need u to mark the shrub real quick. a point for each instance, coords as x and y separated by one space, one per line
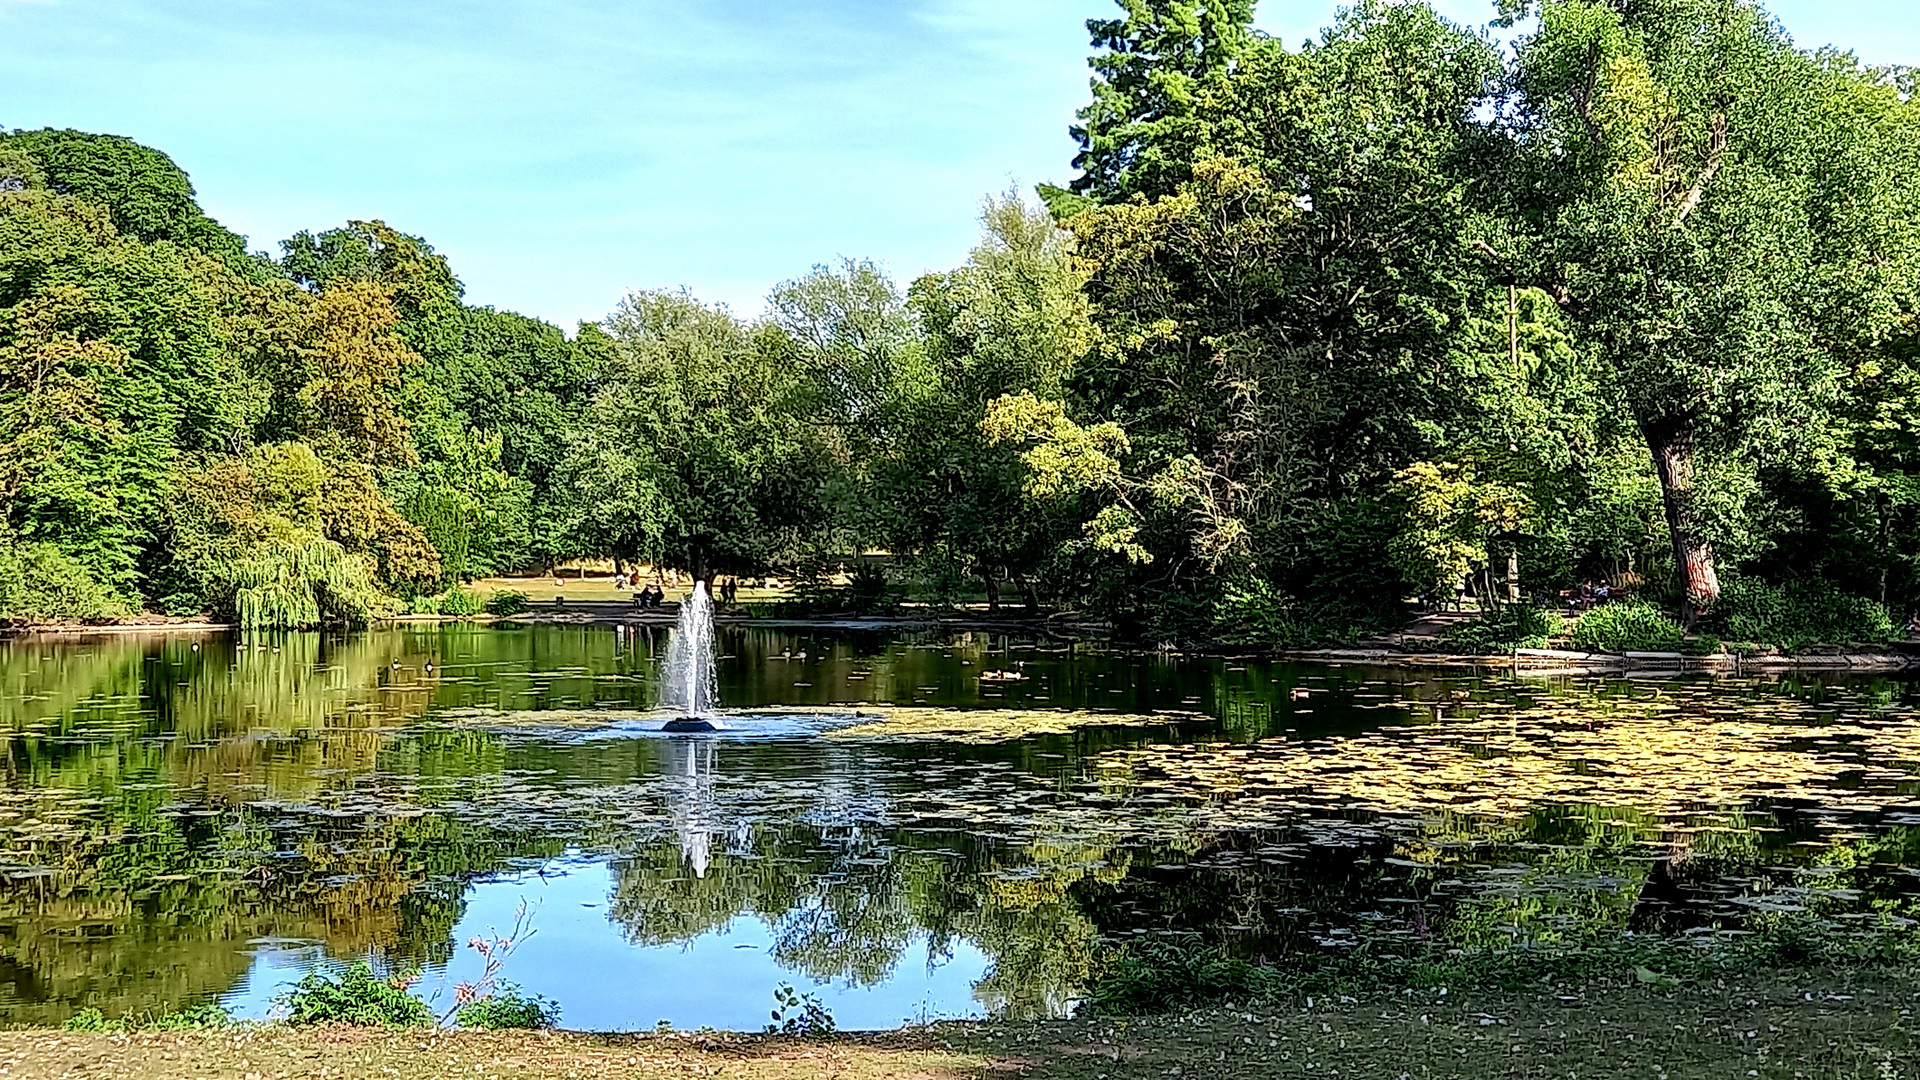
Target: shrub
93 1020
1253 612
460 603
1156 977
510 1009
508 602
1627 626
424 605
355 996
867 590
192 1018
1504 630
40 583
1796 615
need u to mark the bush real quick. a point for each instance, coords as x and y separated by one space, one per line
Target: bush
1157 977
1627 626
1253 612
1504 630
1795 615
508 602
41 584
92 1020
356 996
460 603
509 1009
867 591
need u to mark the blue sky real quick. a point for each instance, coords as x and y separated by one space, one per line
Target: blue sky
561 152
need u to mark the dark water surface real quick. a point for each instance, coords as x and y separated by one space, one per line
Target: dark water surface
197 818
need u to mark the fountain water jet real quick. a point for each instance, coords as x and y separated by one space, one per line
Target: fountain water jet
687 683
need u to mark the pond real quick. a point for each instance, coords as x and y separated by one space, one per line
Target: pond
200 818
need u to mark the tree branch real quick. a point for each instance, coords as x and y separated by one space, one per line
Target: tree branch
1716 153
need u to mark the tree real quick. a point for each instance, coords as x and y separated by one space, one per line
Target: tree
1141 133
335 364
696 455
148 196
1014 320
1690 192
115 356
1286 319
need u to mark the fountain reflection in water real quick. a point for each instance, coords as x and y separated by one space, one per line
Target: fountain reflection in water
687 683
692 767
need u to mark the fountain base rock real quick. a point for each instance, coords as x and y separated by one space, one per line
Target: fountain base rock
689 725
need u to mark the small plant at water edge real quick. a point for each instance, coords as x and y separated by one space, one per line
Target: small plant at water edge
508 602
1254 613
508 1008
355 996
191 1018
460 603
493 954
91 1019
1156 977
1627 626
799 1015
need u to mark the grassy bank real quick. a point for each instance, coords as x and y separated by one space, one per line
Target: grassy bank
1788 1024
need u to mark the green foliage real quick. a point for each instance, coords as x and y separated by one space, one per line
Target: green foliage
799 1015
1256 613
1142 131
461 603
1795 614
41 584
867 589
194 1018
1504 629
1148 978
1627 626
509 1009
1642 284
353 996
298 581
508 602
93 1020
698 453
149 197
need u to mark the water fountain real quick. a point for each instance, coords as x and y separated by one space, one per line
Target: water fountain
687 682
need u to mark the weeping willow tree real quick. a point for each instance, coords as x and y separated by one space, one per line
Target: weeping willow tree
300 580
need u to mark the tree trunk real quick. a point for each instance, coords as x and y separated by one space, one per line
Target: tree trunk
993 590
1672 447
1513 575
1028 595
1886 543
699 570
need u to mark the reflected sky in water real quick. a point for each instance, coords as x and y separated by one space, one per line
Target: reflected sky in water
722 978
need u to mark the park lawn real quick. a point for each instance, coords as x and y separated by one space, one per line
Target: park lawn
1803 1024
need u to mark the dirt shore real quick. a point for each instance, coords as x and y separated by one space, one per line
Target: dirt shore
1839 1024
